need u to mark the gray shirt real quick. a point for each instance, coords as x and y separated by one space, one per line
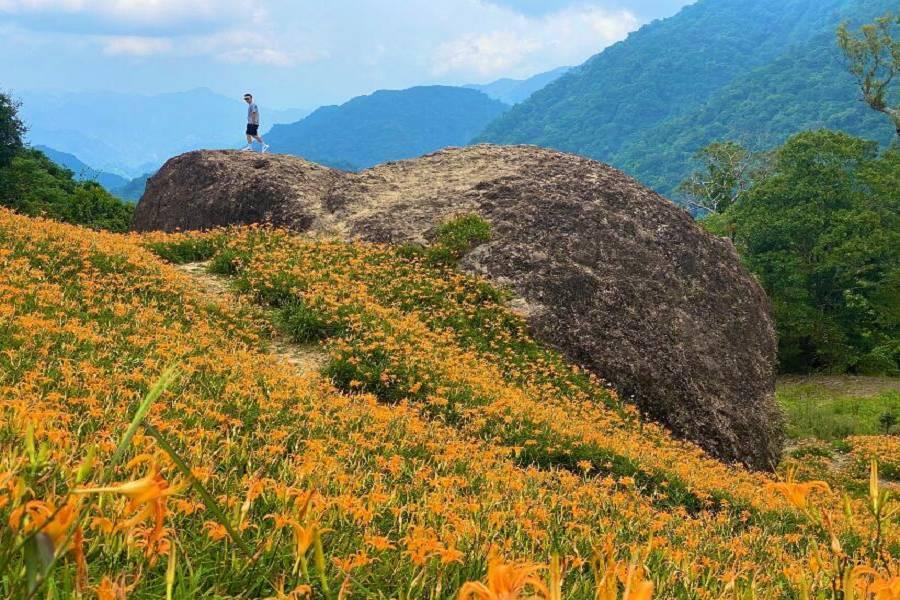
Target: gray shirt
253 114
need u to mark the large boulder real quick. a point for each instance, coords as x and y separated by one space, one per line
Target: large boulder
616 277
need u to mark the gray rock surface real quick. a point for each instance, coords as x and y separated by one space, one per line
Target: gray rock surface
618 278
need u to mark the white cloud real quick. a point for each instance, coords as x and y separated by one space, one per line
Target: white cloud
228 31
485 54
129 17
564 37
241 47
135 46
334 49
249 46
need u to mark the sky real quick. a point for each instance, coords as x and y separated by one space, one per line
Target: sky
302 53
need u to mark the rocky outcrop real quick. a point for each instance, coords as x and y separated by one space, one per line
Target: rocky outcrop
619 279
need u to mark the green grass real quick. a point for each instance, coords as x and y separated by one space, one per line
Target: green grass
832 408
452 240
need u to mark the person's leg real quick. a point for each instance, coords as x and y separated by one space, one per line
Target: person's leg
262 143
249 142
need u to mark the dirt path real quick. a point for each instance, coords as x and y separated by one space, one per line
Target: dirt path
304 358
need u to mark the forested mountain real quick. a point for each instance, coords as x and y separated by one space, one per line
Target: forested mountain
131 134
81 171
387 125
514 91
134 189
720 69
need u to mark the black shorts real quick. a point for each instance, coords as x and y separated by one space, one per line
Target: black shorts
252 129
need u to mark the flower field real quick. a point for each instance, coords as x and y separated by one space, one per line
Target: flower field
151 445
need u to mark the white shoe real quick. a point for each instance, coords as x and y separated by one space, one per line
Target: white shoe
247 149
264 148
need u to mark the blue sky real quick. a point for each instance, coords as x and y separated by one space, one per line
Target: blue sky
301 53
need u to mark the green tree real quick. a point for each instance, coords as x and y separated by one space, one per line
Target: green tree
11 129
34 185
874 59
727 171
822 233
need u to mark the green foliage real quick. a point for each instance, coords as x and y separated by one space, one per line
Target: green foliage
34 185
452 240
888 420
874 59
458 236
83 172
834 408
187 250
11 129
727 171
304 323
822 233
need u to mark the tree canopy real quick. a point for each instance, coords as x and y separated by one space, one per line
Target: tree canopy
11 129
727 171
874 59
822 233
32 184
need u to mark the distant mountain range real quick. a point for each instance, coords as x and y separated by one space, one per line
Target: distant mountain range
121 187
755 72
387 125
751 71
83 172
131 134
514 91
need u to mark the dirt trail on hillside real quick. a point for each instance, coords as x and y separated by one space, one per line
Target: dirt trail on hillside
303 358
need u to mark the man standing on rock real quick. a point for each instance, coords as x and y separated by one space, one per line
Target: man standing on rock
253 124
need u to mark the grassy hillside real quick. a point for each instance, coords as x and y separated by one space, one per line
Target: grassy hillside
832 408
439 445
387 125
720 69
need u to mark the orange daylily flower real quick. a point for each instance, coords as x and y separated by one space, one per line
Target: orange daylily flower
301 591
304 536
798 494
148 500
614 572
44 516
114 590
875 586
506 582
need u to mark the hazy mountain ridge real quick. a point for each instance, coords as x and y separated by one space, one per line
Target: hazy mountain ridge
82 171
121 187
514 91
100 128
387 125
